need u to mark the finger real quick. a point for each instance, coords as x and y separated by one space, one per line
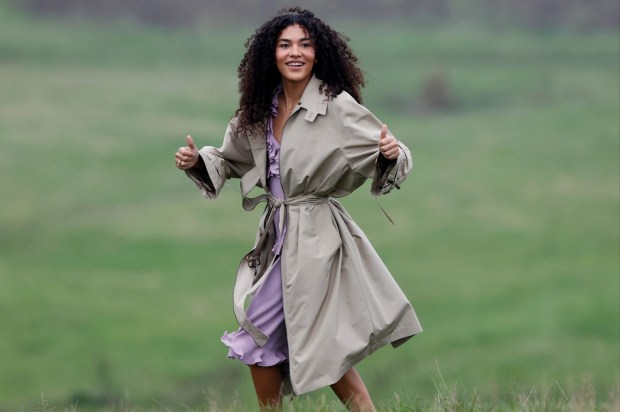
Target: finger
388 142
390 154
383 131
390 149
190 143
395 153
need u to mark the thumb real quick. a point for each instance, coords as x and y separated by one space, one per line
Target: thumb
190 143
384 130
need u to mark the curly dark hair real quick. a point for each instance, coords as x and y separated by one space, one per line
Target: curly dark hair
336 65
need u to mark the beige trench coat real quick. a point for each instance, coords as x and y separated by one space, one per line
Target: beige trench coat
340 301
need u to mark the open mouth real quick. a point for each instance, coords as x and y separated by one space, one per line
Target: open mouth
295 64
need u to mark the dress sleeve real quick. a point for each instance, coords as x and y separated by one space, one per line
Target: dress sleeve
232 160
360 132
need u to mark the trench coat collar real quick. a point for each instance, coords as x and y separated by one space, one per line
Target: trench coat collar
313 100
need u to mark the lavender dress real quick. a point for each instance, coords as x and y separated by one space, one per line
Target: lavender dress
265 310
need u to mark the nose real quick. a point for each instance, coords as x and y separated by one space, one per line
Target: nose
295 50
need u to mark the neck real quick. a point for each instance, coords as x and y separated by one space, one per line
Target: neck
293 91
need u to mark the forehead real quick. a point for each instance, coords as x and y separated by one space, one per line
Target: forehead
293 32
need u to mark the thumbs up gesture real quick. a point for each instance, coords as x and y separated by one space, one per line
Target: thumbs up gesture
187 156
388 145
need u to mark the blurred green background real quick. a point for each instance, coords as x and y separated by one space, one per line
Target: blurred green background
116 276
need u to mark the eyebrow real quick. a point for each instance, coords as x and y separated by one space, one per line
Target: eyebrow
302 39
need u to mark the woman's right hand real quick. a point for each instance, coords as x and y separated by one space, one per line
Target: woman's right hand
187 156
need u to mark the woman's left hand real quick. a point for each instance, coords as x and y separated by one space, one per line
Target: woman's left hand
388 145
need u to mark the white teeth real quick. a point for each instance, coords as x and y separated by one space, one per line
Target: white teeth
295 64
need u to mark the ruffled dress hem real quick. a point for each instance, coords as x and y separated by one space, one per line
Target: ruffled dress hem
252 356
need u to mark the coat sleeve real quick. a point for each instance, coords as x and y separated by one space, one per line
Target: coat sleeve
360 132
232 160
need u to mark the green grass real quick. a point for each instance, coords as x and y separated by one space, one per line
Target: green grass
116 277
447 399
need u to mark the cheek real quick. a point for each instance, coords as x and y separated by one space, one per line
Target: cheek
309 56
312 56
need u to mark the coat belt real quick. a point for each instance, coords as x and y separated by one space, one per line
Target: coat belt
251 264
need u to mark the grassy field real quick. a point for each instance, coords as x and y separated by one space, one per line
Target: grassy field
116 276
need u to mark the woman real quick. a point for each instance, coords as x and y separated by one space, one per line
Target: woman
322 299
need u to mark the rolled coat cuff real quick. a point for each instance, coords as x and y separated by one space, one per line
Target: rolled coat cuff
390 174
210 179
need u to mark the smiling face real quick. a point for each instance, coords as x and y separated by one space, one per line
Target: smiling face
295 54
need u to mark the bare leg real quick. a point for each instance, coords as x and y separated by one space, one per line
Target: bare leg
267 382
351 390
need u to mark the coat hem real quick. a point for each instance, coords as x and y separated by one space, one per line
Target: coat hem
398 337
